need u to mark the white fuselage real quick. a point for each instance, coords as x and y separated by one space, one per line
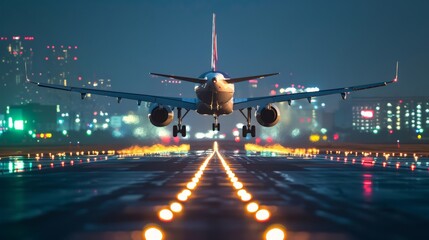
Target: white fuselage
215 97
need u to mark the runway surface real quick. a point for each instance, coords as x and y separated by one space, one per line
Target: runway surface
322 196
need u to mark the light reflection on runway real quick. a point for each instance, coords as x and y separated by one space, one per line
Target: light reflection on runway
213 194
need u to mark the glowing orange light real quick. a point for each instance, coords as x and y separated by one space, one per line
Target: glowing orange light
191 185
241 192
238 185
187 192
252 207
182 197
153 233
384 164
176 207
262 215
234 179
246 197
165 215
195 180
275 234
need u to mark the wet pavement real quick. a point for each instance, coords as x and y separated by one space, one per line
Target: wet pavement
326 196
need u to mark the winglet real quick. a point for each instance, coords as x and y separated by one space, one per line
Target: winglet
214 44
397 69
26 73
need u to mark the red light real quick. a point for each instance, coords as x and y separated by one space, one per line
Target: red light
368 114
48 47
95 113
397 165
336 136
272 92
176 140
79 78
309 120
75 58
75 47
53 47
46 58
390 131
58 58
269 139
276 85
165 140
384 164
258 140
237 139
413 167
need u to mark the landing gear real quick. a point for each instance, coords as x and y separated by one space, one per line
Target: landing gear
179 128
216 124
248 128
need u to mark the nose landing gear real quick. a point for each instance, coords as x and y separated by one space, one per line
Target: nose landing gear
216 124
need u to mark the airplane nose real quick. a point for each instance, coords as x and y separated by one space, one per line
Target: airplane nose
214 80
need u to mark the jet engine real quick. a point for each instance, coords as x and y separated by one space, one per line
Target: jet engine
160 116
268 116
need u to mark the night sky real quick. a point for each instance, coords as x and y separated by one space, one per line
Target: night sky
329 44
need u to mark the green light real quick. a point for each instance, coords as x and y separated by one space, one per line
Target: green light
88 132
64 132
18 124
30 132
33 135
375 131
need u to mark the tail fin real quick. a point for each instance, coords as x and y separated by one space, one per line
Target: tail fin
214 44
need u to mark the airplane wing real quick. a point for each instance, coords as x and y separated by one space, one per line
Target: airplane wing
262 101
185 103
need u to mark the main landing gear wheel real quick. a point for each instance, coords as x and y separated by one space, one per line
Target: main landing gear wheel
179 128
249 128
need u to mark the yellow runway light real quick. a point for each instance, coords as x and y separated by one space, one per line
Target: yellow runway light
262 215
252 207
153 233
238 185
275 234
165 215
191 185
176 207
246 197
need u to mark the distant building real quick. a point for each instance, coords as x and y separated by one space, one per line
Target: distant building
61 64
399 116
15 52
31 117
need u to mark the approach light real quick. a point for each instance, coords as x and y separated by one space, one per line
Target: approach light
165 215
275 234
153 233
252 207
262 215
176 207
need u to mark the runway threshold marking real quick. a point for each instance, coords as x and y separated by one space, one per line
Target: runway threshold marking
260 213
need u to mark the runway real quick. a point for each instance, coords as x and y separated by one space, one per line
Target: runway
306 196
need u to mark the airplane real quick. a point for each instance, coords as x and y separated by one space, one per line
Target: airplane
215 97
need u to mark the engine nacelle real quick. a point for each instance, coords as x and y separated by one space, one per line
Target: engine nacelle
160 116
268 116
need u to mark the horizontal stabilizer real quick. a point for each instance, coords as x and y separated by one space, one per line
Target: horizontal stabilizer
242 79
187 79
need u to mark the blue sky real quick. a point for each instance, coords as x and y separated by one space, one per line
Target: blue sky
327 44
